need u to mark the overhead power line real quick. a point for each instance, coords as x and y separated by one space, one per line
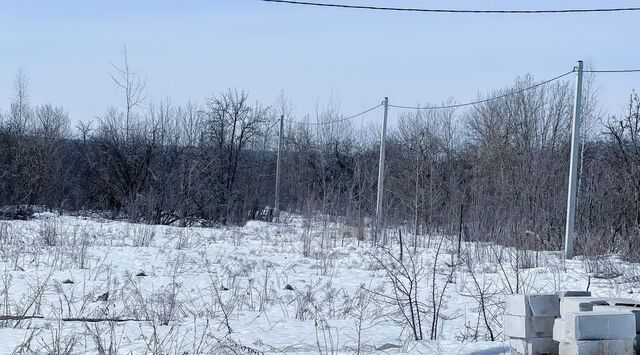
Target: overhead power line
613 71
343 119
455 11
515 92
511 93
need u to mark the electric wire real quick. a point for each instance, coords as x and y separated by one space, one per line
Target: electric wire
454 11
613 71
484 100
343 119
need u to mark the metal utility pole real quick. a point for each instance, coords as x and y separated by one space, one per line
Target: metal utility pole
379 208
277 203
573 166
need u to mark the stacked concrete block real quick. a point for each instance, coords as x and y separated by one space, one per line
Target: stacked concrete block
571 304
630 307
538 346
528 322
528 327
579 304
599 347
633 310
599 325
596 332
572 323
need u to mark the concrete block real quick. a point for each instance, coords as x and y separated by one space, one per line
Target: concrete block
533 346
597 347
563 294
629 302
599 325
558 330
579 304
633 310
533 305
582 304
528 327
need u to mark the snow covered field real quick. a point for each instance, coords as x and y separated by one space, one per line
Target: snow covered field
79 285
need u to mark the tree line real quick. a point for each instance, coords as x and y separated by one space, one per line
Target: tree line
500 166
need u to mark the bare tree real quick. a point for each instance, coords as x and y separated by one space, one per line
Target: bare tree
132 84
232 123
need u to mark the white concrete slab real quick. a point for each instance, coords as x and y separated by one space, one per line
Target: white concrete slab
597 347
633 310
533 305
528 327
630 302
533 346
558 330
579 304
599 325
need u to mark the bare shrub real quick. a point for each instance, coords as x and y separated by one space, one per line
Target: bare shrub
185 239
307 238
141 235
484 292
326 337
7 239
57 342
6 282
362 311
161 306
48 234
405 277
601 267
78 247
25 346
305 302
30 304
105 337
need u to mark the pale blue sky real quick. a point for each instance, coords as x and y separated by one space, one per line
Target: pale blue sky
191 49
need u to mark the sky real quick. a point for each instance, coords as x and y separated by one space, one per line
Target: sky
190 50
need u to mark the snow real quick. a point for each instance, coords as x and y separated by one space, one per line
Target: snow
197 277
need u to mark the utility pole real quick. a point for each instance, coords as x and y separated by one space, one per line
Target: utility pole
573 166
278 163
379 206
